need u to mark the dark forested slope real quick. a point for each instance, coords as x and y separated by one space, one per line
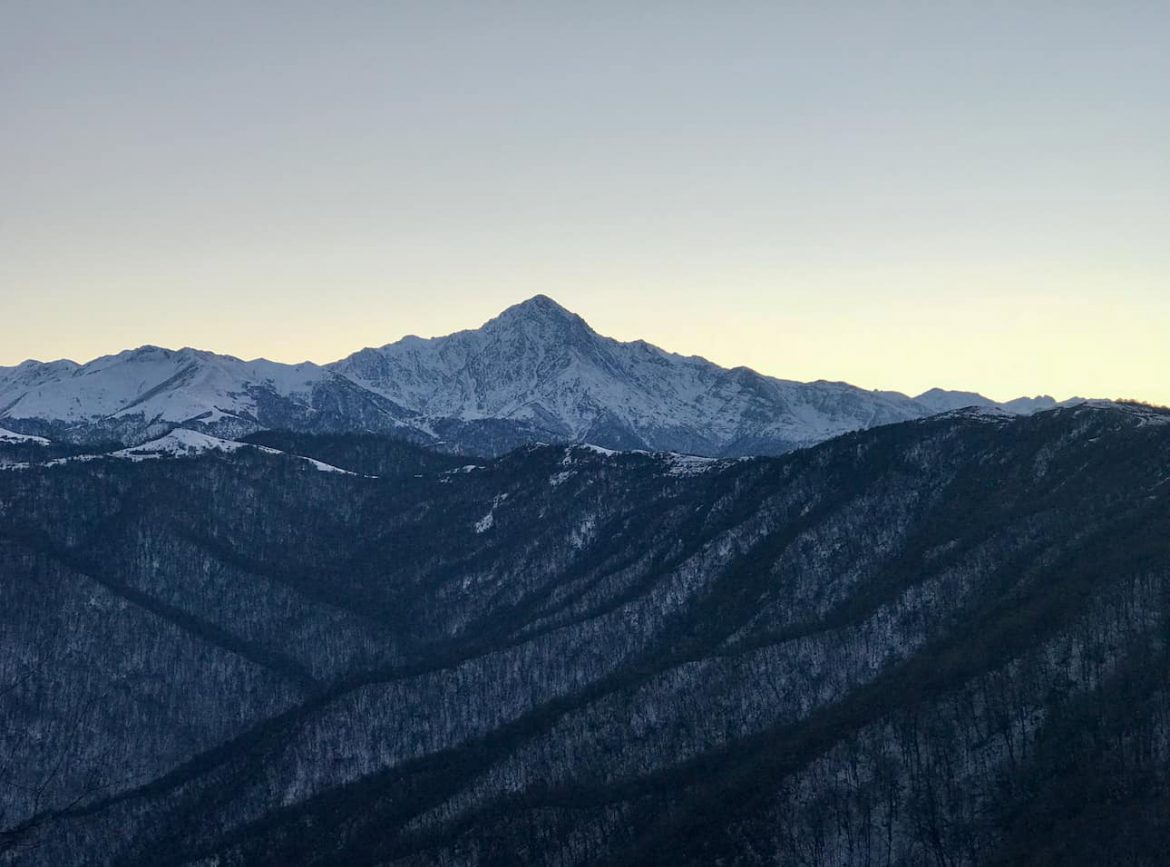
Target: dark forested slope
939 642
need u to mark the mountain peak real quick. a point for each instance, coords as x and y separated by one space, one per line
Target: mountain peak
541 304
541 308
536 371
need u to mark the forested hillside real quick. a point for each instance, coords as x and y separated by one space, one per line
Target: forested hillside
938 642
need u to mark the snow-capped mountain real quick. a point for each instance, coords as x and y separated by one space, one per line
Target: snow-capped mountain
535 372
142 393
170 385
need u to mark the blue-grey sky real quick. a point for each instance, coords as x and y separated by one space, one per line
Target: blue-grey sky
970 195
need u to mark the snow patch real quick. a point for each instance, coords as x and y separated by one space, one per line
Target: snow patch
992 414
327 468
572 451
7 436
688 465
182 442
597 449
489 520
179 443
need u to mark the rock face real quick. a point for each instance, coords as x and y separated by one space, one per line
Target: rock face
936 642
535 373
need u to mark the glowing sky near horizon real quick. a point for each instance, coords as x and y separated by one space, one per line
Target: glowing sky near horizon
900 195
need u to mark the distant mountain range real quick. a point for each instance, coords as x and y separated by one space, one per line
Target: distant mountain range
535 373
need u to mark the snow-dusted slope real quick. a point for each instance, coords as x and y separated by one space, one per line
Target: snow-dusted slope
163 384
140 394
535 372
543 368
7 436
181 443
177 444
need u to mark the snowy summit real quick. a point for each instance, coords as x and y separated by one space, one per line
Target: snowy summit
536 372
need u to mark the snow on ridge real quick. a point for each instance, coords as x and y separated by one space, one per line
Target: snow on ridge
324 467
536 365
182 442
7 436
178 443
1144 413
161 384
576 449
598 450
689 465
675 463
979 413
542 365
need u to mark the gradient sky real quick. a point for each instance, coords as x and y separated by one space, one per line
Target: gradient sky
901 195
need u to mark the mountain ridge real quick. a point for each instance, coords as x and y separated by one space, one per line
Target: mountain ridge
536 371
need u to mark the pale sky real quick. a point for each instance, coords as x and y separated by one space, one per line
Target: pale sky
900 195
